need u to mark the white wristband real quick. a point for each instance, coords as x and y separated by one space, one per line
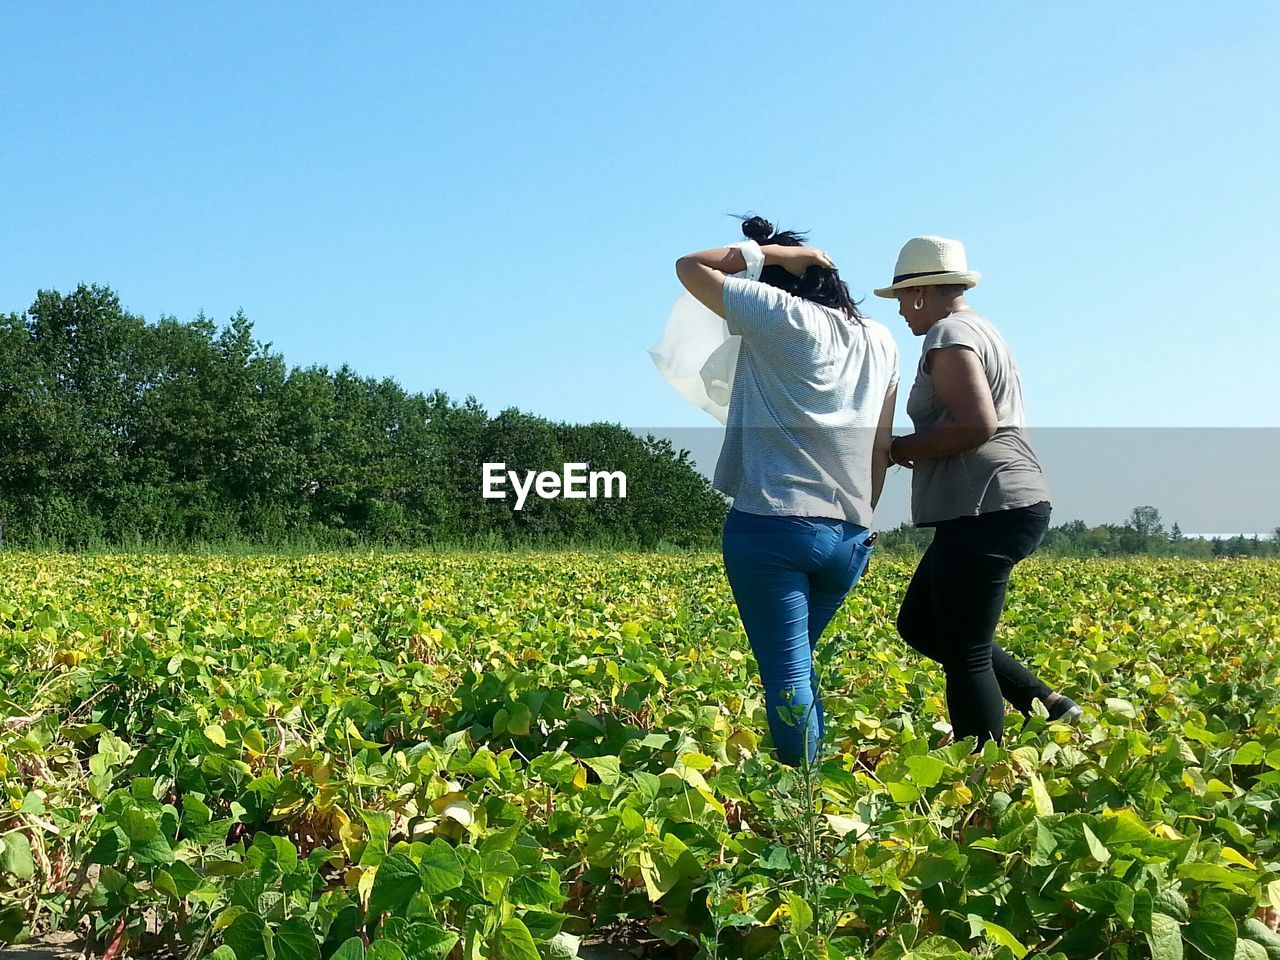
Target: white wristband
754 257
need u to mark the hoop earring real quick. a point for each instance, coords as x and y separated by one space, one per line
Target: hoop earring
919 304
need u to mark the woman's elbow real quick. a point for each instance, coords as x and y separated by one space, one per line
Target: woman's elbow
687 271
971 434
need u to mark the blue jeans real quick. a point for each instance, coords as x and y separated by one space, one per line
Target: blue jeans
789 576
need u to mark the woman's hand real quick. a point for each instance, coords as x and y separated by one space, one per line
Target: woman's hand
897 459
795 260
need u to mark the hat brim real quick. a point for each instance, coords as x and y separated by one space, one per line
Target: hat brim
969 278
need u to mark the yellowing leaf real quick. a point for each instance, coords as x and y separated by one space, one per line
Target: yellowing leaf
843 826
1231 855
365 883
744 744
255 743
1040 796
216 734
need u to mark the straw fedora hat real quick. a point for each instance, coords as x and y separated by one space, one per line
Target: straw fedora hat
925 261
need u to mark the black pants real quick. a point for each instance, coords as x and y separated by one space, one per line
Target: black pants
951 609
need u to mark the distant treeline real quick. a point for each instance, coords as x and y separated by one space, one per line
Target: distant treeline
115 431
1143 534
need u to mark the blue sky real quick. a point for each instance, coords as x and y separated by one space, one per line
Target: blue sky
488 199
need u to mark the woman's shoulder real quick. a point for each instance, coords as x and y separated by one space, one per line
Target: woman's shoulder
879 333
962 327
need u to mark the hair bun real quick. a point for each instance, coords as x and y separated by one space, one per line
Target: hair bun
757 228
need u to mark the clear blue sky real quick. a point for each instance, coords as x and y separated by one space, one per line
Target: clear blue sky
488 199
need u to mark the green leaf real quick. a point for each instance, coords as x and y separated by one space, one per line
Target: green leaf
195 812
141 828
16 858
440 870
930 870
1250 754
424 939
775 857
607 769
543 924
155 852
394 885
926 770
996 933
903 792
222 953
248 937
1212 931
294 940
937 948
1046 842
801 913
516 941
1097 850
178 880
1106 898
519 720
534 891
1121 707
1214 873
482 764
1165 938
1173 903
353 949
1257 932
378 823
565 946
384 950
13 923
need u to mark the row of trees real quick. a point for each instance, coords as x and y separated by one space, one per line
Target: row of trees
117 431
1142 534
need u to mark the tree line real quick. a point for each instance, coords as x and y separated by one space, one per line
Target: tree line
117 431
1142 534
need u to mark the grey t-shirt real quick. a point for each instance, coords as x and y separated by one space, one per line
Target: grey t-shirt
1003 473
807 394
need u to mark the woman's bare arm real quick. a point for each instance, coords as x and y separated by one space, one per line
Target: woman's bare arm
880 451
703 273
962 388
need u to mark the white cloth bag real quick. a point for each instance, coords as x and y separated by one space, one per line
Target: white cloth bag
696 353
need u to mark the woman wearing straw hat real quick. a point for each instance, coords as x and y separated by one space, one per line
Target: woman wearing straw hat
976 481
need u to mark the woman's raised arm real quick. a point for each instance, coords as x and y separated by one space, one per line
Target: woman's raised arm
703 273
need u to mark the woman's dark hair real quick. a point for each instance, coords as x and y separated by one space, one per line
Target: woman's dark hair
822 285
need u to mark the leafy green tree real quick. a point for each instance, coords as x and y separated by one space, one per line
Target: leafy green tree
115 430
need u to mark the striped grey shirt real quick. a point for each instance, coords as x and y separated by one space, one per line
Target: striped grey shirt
807 395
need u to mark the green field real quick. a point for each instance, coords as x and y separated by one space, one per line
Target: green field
492 756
